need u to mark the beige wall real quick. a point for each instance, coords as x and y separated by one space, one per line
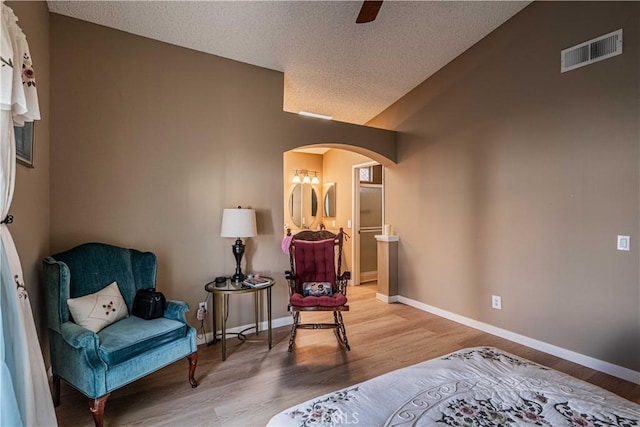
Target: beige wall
151 141
30 206
514 180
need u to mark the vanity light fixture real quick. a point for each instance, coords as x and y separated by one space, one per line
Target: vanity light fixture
315 115
304 176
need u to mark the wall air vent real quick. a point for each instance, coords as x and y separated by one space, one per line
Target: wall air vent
595 50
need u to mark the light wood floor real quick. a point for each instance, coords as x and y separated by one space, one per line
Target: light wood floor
253 383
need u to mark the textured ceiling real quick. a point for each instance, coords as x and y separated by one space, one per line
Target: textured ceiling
331 65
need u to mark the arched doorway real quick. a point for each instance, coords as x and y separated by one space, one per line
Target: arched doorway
331 199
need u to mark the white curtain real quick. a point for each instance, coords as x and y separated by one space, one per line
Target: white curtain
25 398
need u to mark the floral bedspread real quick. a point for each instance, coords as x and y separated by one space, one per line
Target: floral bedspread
479 386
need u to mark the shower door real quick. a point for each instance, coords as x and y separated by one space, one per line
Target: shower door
370 226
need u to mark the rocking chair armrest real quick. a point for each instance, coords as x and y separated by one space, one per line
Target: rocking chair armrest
342 282
291 280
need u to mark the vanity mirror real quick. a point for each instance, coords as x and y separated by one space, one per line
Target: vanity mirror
330 199
303 205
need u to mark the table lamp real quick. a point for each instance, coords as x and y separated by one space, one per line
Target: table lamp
238 223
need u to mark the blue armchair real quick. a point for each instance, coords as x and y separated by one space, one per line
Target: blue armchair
98 363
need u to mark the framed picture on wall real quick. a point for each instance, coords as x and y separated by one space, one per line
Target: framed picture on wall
24 144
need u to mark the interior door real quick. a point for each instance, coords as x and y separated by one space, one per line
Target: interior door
370 226
368 220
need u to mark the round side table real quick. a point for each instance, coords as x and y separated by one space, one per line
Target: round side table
231 287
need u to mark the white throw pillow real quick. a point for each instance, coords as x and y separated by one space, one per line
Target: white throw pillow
98 310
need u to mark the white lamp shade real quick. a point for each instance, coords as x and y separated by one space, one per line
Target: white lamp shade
238 223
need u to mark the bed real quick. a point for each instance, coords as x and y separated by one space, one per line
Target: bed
481 386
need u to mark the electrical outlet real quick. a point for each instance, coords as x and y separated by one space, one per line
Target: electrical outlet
202 310
496 302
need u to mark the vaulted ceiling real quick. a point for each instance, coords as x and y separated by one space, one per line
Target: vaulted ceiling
331 65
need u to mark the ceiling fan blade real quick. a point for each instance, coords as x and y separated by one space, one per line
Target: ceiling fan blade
368 12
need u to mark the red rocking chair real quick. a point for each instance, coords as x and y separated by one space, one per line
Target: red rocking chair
315 284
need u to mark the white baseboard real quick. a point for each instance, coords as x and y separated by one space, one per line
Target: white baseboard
588 361
275 323
386 298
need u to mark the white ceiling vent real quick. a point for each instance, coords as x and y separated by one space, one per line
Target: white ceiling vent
595 50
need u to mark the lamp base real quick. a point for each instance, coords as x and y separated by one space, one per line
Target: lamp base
238 251
238 277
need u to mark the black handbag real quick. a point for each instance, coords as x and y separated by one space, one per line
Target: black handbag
149 304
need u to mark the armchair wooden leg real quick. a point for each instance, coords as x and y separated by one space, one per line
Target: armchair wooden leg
56 390
193 361
96 406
